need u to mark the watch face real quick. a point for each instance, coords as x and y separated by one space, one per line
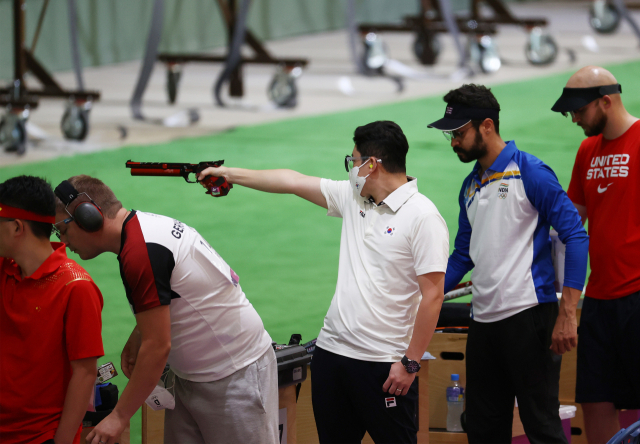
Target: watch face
412 366
409 365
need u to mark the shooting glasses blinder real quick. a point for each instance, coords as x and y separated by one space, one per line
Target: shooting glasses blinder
573 99
87 215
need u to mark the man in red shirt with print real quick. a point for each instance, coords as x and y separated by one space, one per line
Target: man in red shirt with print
605 187
50 323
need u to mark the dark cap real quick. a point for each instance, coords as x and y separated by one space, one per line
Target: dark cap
575 98
457 115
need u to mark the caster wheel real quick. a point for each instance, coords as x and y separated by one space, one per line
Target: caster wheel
13 134
484 52
541 49
75 121
174 72
282 90
426 48
375 53
603 17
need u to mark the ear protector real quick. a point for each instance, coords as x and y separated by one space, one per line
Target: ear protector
87 215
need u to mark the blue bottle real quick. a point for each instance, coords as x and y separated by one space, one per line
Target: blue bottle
455 404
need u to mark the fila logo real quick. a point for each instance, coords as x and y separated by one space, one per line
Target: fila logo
390 402
362 213
602 190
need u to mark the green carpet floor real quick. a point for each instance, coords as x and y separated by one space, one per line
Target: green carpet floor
285 249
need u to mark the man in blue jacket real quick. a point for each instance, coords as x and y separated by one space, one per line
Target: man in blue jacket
517 332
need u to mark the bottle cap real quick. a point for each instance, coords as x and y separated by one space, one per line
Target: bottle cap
455 377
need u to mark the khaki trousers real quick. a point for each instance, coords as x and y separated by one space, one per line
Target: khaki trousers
241 408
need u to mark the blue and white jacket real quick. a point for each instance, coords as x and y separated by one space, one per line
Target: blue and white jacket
503 236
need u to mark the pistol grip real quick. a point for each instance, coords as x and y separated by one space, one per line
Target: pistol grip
216 186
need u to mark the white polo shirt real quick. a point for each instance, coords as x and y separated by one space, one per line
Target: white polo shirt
215 331
383 249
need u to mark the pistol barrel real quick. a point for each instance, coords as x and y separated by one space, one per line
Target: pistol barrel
155 172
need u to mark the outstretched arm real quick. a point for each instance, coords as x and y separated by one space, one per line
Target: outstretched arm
272 181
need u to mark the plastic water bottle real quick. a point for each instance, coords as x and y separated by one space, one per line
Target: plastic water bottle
455 404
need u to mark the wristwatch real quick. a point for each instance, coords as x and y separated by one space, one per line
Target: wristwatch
410 365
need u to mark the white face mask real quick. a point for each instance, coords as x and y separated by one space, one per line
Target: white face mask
161 398
357 182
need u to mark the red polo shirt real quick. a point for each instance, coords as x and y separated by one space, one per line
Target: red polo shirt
46 320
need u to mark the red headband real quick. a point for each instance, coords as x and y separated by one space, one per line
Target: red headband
18 213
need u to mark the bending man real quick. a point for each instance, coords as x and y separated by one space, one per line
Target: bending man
190 311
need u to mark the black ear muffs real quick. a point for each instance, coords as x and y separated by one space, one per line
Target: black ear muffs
87 215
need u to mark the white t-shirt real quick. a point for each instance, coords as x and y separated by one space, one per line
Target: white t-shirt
383 250
215 331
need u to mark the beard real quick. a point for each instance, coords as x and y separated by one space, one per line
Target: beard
477 150
597 128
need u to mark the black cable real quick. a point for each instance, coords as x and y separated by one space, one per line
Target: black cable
73 35
624 12
235 56
151 53
452 26
352 30
356 57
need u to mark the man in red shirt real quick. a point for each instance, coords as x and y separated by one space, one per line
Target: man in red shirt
605 188
50 324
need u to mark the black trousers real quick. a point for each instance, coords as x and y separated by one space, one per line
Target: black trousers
348 401
609 352
508 359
